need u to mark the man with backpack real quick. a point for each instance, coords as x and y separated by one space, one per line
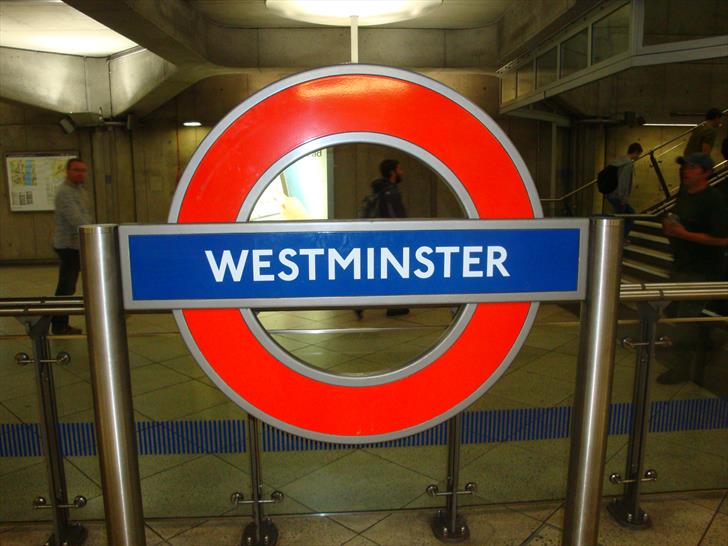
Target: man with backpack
615 182
385 201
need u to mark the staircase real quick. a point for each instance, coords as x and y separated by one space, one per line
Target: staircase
647 255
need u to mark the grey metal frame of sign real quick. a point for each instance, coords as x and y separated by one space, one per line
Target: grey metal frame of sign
347 138
351 226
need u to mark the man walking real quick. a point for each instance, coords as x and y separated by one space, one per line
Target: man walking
388 203
698 233
702 138
625 174
71 213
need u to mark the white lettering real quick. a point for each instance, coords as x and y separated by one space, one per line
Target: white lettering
429 266
354 257
387 257
469 260
497 261
236 270
311 253
370 263
283 257
447 252
259 264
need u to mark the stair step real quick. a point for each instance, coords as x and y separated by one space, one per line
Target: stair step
646 269
650 252
655 239
650 224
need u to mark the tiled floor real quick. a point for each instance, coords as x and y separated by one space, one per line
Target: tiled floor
686 519
169 385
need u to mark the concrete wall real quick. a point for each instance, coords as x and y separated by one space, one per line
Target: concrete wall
28 235
133 175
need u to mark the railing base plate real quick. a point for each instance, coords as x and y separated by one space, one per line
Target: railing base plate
268 534
75 535
618 510
443 533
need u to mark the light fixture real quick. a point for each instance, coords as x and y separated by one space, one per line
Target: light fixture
670 125
192 123
340 12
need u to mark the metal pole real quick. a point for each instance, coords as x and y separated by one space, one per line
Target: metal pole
627 510
593 384
448 525
111 382
261 531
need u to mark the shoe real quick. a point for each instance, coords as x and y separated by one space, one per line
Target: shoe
65 330
673 377
397 312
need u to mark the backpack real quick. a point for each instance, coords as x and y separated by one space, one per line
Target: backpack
608 179
369 206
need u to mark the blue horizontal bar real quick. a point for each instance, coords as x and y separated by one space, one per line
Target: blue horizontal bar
479 427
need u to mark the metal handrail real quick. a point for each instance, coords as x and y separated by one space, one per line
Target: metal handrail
628 292
646 154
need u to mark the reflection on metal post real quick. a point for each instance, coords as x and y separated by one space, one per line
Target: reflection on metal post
627 510
111 382
593 384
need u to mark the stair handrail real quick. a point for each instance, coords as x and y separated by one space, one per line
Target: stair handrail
650 154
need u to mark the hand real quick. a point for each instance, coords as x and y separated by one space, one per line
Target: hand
673 229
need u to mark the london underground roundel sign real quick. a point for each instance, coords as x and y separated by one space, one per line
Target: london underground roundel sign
247 150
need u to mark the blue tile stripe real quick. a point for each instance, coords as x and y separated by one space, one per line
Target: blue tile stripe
479 427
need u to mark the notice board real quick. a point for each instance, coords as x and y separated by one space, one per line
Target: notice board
33 179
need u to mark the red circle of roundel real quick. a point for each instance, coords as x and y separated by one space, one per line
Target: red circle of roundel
314 105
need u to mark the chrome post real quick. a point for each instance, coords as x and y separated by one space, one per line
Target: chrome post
595 366
261 531
111 382
63 533
448 525
626 510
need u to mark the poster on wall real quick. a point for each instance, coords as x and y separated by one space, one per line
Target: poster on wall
33 179
301 192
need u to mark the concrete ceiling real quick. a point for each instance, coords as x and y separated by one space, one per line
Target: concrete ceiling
452 14
52 26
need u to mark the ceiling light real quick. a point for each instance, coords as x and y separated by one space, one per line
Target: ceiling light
670 125
192 123
339 13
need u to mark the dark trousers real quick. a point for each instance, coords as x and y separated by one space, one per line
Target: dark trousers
623 208
67 278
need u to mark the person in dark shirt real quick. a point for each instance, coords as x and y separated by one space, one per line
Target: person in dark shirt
698 233
390 205
387 189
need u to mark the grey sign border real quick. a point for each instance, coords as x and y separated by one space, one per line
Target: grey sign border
127 231
267 342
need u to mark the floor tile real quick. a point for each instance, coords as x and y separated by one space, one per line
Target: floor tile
71 398
158 349
360 541
21 487
199 487
320 357
430 461
185 365
513 474
280 469
553 364
359 481
97 535
546 535
169 527
359 522
532 389
154 377
488 527
179 400
549 337
717 534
